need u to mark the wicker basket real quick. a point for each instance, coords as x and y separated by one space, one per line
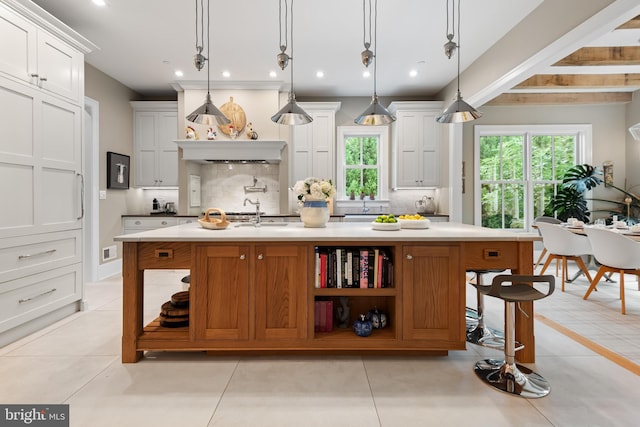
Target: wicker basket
214 223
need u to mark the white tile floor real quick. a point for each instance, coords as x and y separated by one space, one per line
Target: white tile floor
77 361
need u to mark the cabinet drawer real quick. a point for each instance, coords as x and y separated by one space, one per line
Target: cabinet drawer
143 223
33 254
487 255
25 299
164 255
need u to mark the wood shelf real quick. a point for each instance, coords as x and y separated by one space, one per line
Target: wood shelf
355 292
347 334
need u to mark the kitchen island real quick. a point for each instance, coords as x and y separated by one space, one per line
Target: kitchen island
254 289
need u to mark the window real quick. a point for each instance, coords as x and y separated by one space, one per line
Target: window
518 170
362 158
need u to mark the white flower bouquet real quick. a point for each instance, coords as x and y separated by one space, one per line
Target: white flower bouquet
314 188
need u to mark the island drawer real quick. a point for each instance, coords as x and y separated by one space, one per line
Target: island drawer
166 255
490 255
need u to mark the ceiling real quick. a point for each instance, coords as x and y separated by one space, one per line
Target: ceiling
142 43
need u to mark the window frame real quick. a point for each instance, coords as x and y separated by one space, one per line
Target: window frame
382 132
583 154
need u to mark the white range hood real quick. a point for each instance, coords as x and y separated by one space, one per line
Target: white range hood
235 151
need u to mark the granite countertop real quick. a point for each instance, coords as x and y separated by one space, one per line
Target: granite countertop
334 231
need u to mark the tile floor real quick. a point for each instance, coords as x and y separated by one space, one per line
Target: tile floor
77 361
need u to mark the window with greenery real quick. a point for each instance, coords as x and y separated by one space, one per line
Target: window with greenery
361 154
519 168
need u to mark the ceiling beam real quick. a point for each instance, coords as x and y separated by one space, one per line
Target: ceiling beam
583 81
618 55
561 98
631 24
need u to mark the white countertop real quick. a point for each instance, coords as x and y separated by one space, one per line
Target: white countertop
335 231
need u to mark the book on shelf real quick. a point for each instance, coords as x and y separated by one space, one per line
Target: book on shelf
323 316
343 267
338 267
317 267
364 268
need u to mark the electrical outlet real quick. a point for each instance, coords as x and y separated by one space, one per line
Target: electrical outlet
103 194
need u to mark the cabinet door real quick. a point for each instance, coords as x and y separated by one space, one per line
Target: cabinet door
18 49
145 148
220 293
432 287
281 283
167 150
409 168
59 67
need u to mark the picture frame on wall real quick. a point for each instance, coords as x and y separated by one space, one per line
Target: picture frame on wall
118 166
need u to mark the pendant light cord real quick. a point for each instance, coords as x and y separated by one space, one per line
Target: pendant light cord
364 24
453 2
291 56
375 48
208 45
286 19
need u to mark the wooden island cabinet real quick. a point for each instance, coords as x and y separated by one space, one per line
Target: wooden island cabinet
255 289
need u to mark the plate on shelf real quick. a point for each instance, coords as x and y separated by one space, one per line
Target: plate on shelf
414 223
385 226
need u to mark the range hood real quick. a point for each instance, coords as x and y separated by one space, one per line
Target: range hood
232 151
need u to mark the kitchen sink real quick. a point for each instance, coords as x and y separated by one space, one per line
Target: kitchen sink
262 224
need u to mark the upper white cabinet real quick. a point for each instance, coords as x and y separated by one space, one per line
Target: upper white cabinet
38 58
155 152
416 139
312 148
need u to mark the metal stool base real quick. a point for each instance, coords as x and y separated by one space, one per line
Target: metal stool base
513 379
486 337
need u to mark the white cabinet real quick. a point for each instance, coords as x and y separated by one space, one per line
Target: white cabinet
155 153
312 150
41 112
38 58
416 144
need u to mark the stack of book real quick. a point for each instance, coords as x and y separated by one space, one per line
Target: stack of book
353 267
323 316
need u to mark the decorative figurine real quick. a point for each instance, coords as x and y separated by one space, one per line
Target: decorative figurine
211 134
363 327
233 133
378 319
251 134
191 133
343 312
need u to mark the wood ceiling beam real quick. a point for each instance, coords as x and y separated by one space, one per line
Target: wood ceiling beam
631 24
561 98
617 55
595 81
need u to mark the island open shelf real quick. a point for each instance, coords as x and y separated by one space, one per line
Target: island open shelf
255 289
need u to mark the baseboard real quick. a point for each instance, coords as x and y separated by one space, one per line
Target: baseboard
109 269
21 331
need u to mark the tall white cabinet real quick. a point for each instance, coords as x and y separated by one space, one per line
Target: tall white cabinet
155 152
312 148
416 140
41 171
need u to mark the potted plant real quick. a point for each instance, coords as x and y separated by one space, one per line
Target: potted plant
570 201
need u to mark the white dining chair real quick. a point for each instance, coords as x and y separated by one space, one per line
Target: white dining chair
550 220
566 246
616 254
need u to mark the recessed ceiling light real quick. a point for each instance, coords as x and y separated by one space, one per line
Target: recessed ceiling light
179 73
366 74
320 74
273 74
413 73
99 2
226 74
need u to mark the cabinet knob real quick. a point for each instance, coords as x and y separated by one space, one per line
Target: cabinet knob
242 256
34 75
164 222
43 79
138 223
260 256
409 256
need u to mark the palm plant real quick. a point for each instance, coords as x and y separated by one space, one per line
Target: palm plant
570 201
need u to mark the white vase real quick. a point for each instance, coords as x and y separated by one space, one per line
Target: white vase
314 213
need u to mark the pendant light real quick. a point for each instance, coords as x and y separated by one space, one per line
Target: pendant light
291 114
459 111
207 111
375 114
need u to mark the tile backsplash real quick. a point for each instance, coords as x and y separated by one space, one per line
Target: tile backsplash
222 186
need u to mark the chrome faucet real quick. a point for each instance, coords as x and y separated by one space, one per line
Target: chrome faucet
365 209
257 205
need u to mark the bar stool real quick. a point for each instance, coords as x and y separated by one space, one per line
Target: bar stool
477 331
506 375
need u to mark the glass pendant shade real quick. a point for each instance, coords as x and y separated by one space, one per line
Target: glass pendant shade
291 114
207 112
375 114
458 112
